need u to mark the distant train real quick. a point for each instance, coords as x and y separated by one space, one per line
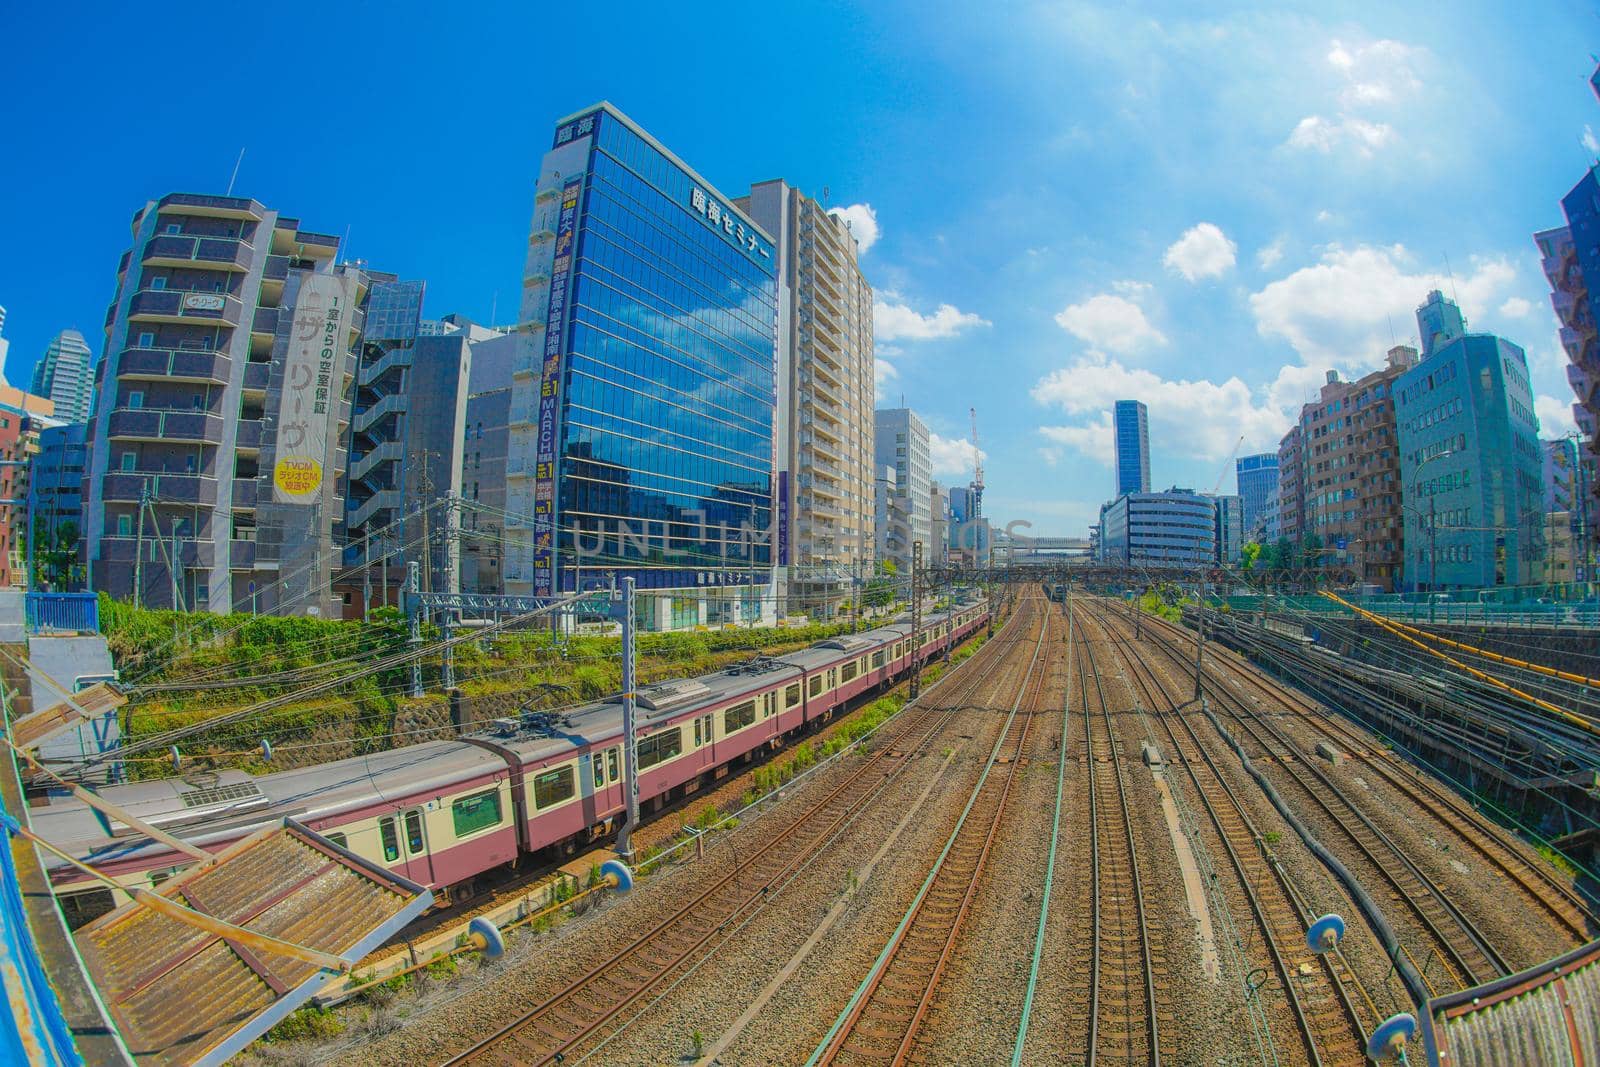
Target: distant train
445 813
1056 591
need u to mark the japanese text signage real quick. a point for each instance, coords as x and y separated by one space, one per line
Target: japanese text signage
316 344
723 219
544 473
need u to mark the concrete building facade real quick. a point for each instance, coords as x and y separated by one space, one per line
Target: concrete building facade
483 476
824 418
1229 534
1130 421
1471 465
901 445
1350 473
1291 488
66 376
641 438
222 406
1174 528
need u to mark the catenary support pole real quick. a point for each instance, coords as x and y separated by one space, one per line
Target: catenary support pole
630 758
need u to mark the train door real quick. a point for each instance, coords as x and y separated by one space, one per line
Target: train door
414 836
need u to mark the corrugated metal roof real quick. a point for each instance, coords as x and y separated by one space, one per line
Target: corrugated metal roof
1547 1015
182 995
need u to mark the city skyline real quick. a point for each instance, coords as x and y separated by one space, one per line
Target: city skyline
1304 198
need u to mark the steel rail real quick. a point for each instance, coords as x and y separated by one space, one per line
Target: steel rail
1152 1028
845 1038
1566 908
1273 742
1145 676
546 1033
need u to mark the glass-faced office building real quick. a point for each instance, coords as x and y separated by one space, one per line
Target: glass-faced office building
641 437
1131 425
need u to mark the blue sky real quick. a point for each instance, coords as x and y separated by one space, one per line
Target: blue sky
1072 203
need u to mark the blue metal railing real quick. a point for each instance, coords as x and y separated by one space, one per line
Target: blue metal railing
63 613
32 1027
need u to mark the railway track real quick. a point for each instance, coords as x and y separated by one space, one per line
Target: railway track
1328 1026
1564 908
558 1027
1121 1020
1465 954
881 1023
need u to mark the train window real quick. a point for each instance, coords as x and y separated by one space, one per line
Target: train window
80 909
553 786
877 660
896 652
391 840
791 696
611 763
660 747
339 839
599 770
816 684
769 704
477 812
848 671
414 831
698 739
739 716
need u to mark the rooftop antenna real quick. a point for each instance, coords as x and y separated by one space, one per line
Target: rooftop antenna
235 176
494 308
344 245
1393 340
1452 276
824 196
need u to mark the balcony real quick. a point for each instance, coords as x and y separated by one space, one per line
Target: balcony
320 240
144 424
821 448
242 555
190 553
176 305
245 491
176 250
226 207
248 435
265 321
276 270
255 376
166 487
175 364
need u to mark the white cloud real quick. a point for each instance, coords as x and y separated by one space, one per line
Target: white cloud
1516 307
863 223
1348 309
1331 135
901 322
1110 323
1267 256
1131 288
1204 251
1195 419
1049 456
1093 440
1590 141
1380 72
951 456
883 372
1555 416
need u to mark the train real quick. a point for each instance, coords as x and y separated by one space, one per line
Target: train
523 789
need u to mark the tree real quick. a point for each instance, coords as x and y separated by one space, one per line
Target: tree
55 555
1249 554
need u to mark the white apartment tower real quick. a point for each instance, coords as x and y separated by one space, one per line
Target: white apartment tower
902 444
824 515
65 376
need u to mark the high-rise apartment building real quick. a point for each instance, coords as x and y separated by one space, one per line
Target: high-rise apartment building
825 400
55 508
641 435
1258 485
483 472
967 537
66 376
219 433
1130 423
1471 464
1291 488
902 444
1350 473
1174 528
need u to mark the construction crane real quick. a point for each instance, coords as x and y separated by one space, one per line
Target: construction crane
977 466
1223 473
